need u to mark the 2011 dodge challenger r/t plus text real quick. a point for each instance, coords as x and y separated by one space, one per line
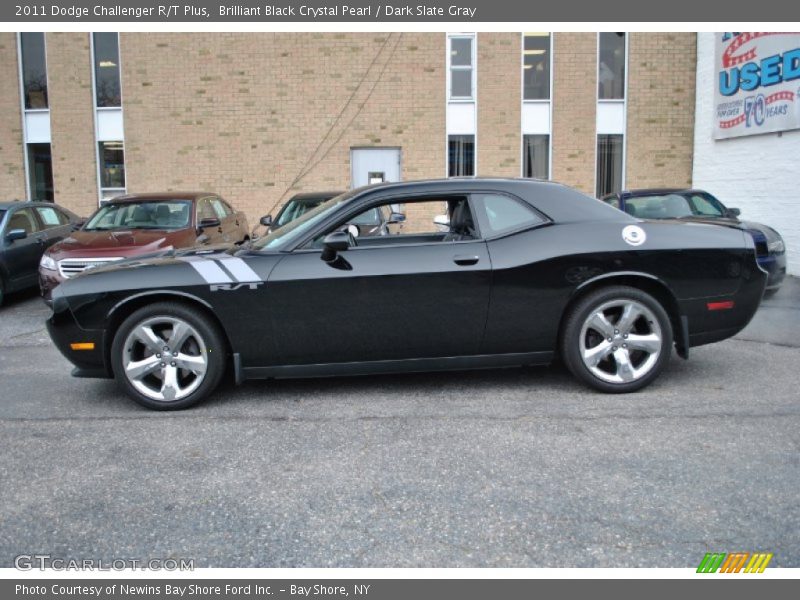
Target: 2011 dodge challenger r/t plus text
528 271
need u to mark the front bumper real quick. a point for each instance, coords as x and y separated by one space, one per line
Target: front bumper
775 266
65 331
48 281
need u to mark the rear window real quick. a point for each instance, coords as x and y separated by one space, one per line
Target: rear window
501 214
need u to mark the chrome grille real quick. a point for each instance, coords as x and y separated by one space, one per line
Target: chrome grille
69 267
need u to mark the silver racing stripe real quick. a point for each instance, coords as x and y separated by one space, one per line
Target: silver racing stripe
210 271
240 270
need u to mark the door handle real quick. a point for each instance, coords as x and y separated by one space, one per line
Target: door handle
465 260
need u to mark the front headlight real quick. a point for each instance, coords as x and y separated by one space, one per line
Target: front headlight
776 246
47 263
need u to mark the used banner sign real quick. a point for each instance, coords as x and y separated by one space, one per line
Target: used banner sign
757 83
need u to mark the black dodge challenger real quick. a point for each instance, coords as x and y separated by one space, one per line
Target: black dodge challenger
528 271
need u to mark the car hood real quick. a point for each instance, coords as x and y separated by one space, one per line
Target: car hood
125 243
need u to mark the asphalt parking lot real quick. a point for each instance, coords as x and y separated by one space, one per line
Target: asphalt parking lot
508 468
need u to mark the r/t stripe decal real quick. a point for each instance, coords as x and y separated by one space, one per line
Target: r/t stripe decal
239 269
210 271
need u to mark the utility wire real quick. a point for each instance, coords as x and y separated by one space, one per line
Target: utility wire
303 169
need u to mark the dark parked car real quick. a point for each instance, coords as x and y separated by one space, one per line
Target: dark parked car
375 222
141 224
295 207
527 271
701 207
27 230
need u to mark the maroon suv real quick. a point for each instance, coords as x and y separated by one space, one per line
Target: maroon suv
138 224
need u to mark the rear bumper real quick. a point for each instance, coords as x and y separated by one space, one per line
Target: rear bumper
710 320
65 331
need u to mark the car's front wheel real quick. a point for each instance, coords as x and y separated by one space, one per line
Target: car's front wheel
617 339
168 356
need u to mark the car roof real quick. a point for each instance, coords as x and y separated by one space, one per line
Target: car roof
15 203
309 197
657 191
557 201
160 196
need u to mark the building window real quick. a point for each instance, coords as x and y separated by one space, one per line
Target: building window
460 155
536 66
106 70
112 169
34 70
40 172
611 67
609 164
462 72
536 156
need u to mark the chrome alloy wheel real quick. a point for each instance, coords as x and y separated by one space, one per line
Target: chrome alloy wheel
620 341
165 358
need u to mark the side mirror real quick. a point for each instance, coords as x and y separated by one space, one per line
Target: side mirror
266 221
335 242
16 234
396 218
442 223
209 222
733 212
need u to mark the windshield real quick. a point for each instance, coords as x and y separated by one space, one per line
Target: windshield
674 206
300 225
156 214
293 210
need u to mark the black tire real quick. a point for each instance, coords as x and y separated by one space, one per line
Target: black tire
582 310
215 353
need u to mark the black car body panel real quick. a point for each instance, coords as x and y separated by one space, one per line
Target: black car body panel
772 261
493 301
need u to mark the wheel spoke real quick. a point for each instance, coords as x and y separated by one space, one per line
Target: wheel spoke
595 354
138 369
180 333
169 385
650 343
601 324
625 368
195 364
630 313
148 337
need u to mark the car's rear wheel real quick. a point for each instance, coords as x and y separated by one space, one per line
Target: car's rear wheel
617 339
168 356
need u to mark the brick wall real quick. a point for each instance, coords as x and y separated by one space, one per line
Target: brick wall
69 76
12 166
499 72
242 114
661 99
574 109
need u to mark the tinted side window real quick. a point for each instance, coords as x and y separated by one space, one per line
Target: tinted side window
23 219
500 214
205 210
219 209
51 217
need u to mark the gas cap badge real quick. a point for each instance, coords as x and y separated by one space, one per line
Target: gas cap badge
634 235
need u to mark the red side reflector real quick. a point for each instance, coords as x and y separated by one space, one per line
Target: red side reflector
726 305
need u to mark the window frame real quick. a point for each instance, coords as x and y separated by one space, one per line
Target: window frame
482 219
473 67
360 207
549 68
474 153
549 156
625 74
